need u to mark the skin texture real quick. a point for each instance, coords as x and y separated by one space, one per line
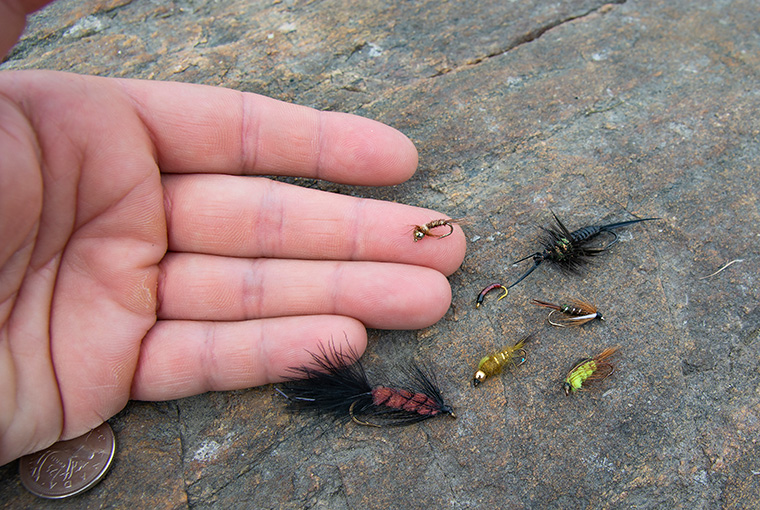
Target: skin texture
141 261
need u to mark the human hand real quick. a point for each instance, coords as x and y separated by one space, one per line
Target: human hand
139 261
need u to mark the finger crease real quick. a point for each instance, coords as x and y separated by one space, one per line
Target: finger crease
355 233
252 289
208 359
249 128
318 170
338 288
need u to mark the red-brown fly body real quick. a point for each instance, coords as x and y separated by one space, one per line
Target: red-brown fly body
395 398
493 286
337 384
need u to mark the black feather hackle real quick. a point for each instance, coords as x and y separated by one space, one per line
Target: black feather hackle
570 251
336 384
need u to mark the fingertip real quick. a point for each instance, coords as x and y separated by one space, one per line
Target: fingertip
407 155
400 297
440 288
348 335
356 150
454 255
444 254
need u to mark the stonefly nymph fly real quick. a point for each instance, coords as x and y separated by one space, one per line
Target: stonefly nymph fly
570 250
336 384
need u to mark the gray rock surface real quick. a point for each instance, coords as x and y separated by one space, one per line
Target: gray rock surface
595 111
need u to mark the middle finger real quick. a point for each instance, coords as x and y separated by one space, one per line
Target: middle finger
381 295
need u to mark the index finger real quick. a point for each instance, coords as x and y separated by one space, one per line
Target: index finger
197 128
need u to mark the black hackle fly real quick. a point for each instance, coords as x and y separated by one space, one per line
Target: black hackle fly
336 384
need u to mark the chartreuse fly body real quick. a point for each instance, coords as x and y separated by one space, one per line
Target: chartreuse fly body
589 369
493 364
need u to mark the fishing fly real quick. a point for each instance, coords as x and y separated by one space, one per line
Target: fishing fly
576 313
494 363
421 231
571 250
337 384
589 369
488 289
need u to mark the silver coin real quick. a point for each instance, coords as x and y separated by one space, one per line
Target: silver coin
69 467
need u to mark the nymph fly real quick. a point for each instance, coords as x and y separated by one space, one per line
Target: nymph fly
589 369
421 231
570 250
494 363
488 289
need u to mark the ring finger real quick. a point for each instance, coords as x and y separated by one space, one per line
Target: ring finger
380 295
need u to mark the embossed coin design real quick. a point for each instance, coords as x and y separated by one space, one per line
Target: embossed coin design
69 467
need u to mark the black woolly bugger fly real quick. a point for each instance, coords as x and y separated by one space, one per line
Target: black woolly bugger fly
337 384
570 250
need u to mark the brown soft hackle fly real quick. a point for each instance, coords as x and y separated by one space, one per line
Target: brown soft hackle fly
589 369
576 313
